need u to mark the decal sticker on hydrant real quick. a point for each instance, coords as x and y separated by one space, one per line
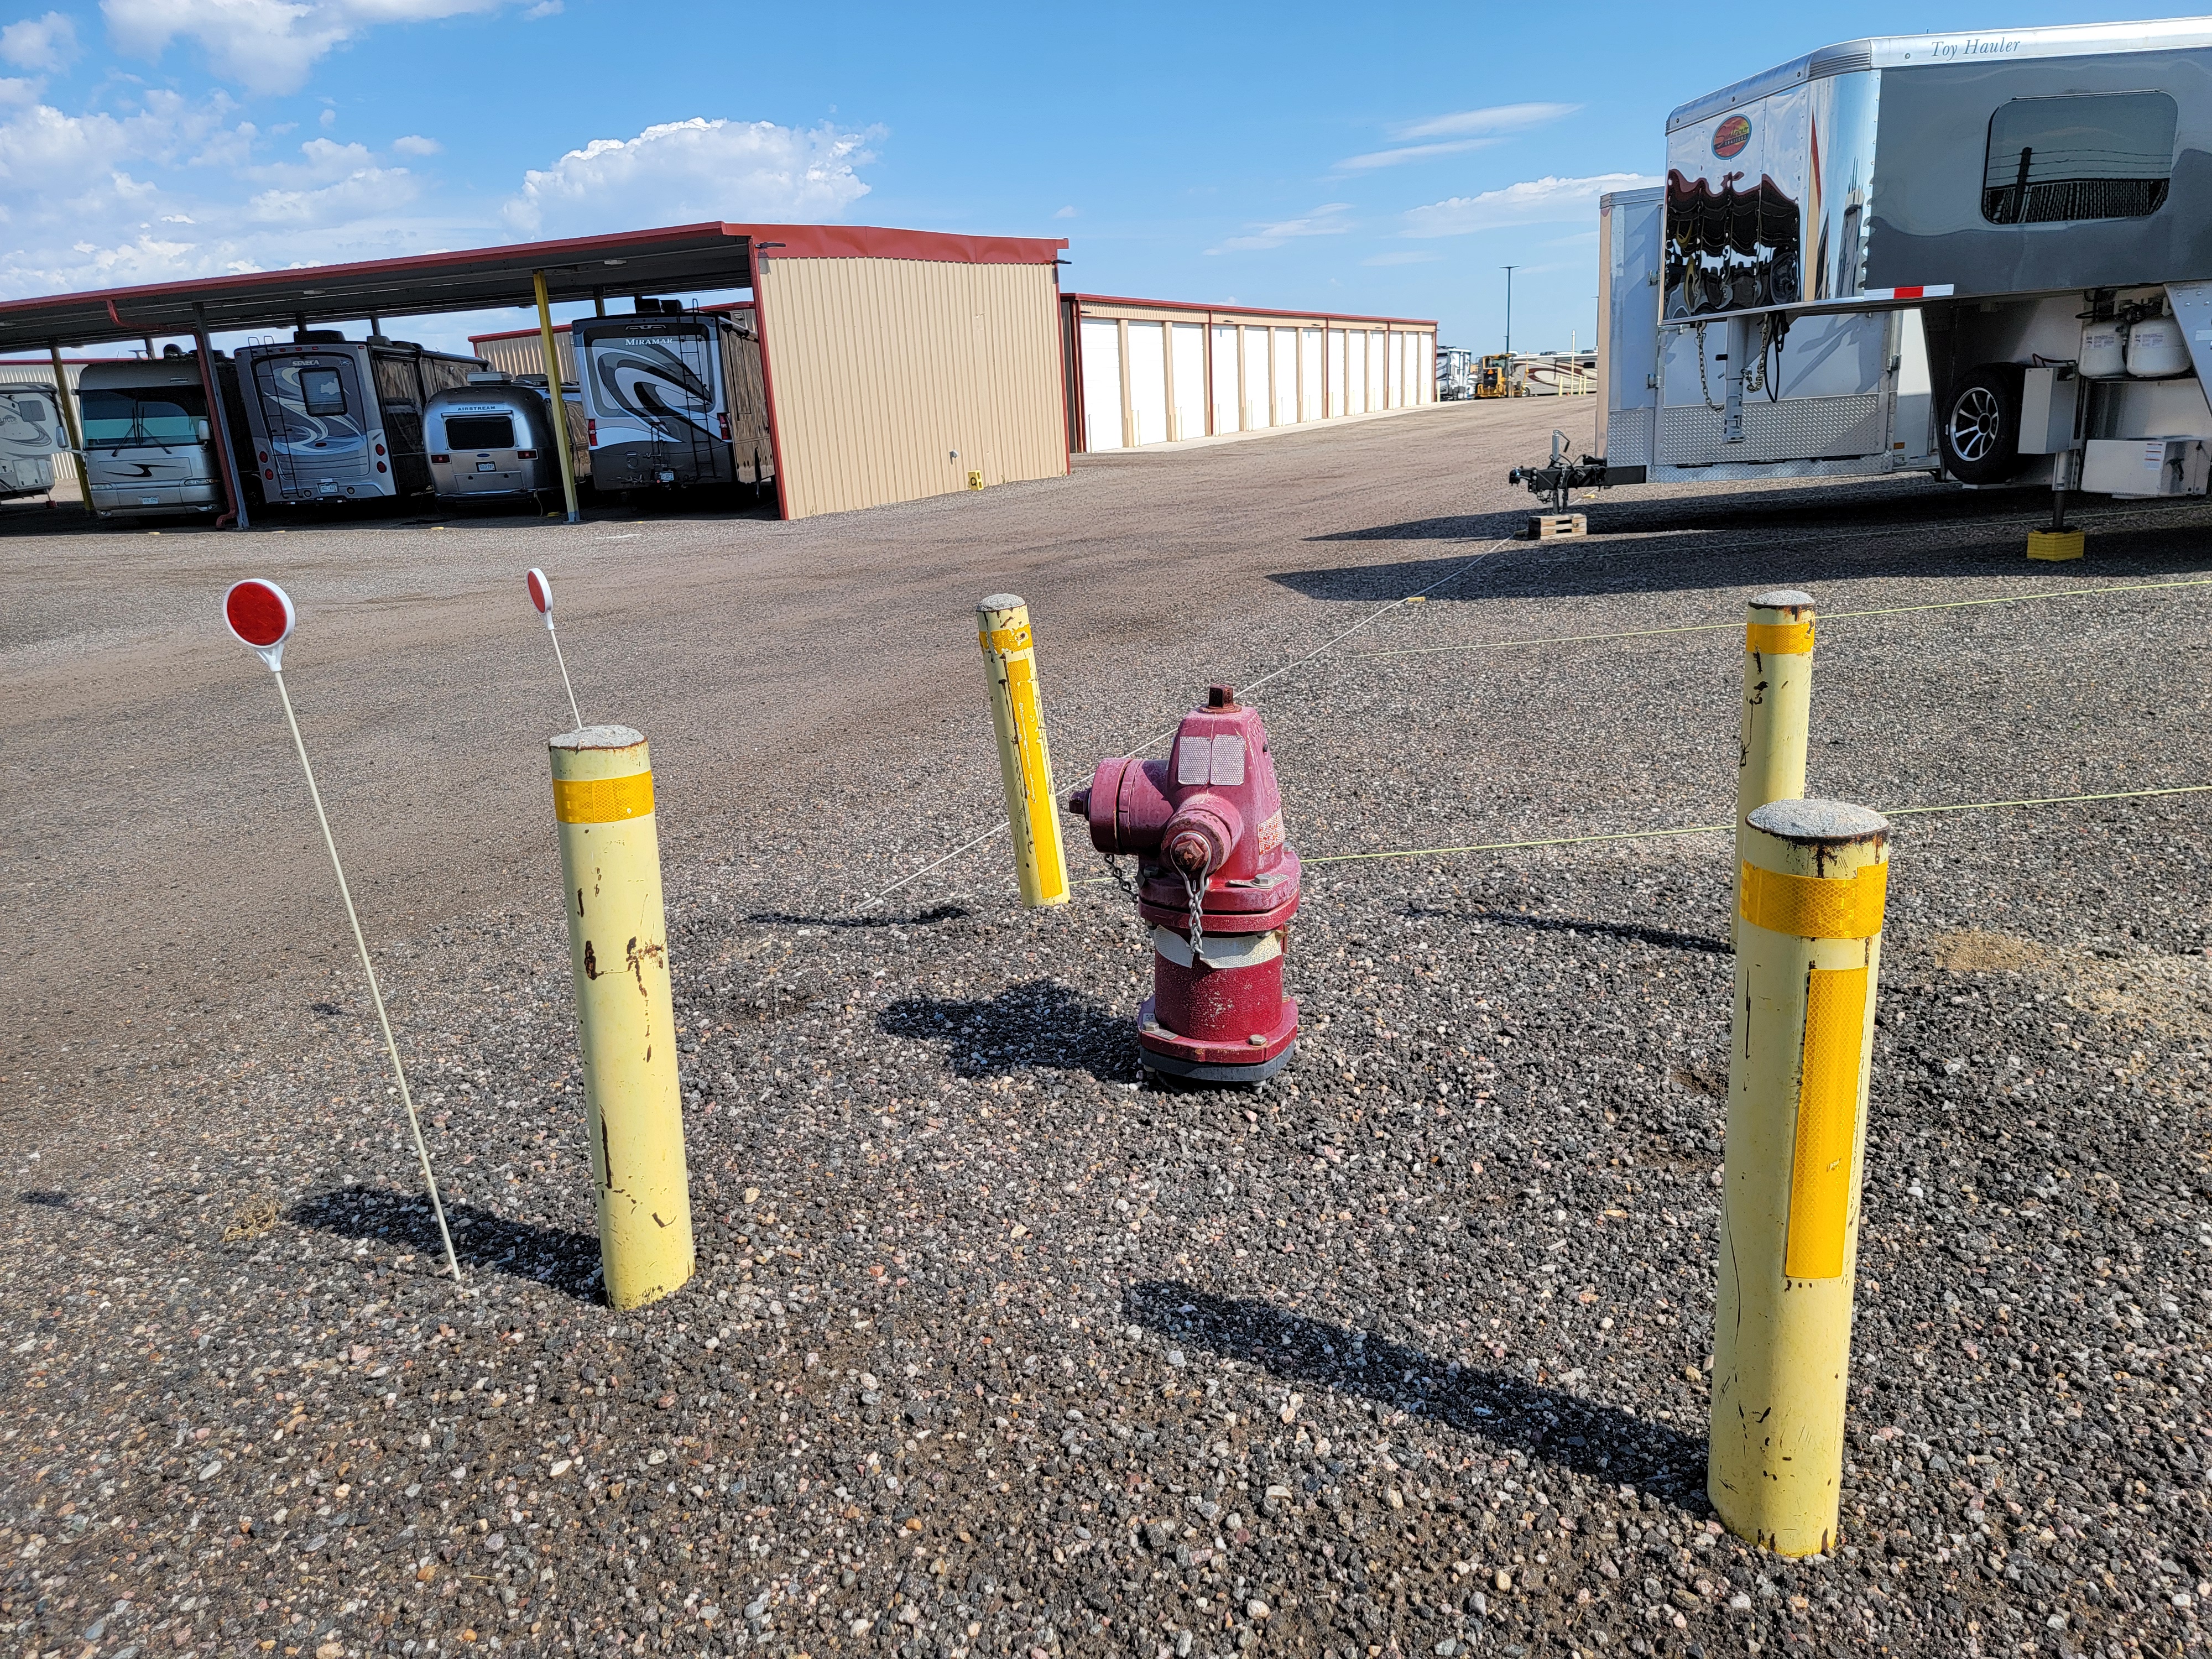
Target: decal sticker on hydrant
1219 885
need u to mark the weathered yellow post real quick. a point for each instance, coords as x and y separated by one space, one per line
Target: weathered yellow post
67 411
1002 621
1778 701
618 951
557 407
1808 949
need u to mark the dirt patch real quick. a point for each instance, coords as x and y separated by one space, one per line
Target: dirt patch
1975 950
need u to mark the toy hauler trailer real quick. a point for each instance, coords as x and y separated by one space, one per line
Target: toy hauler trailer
1987 257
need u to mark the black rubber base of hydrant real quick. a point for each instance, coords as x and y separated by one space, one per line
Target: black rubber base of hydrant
1196 1073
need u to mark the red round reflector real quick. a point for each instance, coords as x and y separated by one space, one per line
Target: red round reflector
258 613
541 591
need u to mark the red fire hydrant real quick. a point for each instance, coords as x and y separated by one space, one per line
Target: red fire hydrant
1218 884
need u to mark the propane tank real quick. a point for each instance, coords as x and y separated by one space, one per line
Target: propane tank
2103 350
1218 884
2156 348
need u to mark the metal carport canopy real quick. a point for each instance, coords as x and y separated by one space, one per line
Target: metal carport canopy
677 258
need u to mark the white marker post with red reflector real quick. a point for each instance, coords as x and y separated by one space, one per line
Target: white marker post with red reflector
260 615
541 595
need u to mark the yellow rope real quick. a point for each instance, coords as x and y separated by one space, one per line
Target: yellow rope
1825 615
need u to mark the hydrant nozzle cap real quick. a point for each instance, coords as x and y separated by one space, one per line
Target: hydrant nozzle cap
1079 803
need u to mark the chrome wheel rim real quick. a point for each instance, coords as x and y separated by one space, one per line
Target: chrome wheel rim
1976 419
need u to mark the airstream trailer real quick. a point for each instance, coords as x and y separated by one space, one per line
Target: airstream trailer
491 440
148 445
1985 256
339 420
30 433
672 397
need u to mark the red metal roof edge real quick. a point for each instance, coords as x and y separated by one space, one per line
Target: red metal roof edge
797 241
1245 311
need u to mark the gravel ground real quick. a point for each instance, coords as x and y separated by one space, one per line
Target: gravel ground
993 1350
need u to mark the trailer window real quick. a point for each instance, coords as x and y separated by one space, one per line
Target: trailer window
2092 155
320 392
479 432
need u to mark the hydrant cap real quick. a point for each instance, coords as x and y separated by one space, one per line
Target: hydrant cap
1001 602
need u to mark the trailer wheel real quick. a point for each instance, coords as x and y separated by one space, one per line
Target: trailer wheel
1980 432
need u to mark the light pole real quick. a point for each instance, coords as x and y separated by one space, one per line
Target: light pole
1509 271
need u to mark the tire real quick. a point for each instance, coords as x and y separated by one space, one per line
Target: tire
1980 429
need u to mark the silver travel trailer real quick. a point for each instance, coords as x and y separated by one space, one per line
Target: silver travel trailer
673 398
30 433
148 445
339 420
492 439
1984 256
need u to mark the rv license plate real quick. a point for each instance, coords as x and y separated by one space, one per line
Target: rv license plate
487 466
150 501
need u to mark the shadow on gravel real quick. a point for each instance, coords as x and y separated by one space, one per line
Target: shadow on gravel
920 919
1041 1025
1628 930
1576 1434
568 1263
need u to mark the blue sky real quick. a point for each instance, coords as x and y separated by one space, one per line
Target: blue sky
1286 156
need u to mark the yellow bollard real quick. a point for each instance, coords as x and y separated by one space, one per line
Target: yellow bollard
618 950
1002 621
1778 702
1809 949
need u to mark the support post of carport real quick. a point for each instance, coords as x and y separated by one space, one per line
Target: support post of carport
560 407
68 424
218 428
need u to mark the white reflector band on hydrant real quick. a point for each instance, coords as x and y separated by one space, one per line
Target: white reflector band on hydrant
261 614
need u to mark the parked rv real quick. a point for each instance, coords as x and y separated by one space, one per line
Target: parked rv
492 439
672 398
1988 257
149 443
30 432
338 420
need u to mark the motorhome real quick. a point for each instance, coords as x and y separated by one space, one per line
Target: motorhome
672 398
492 440
1986 256
148 445
30 434
335 420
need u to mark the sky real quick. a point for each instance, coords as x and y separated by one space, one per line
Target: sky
1383 162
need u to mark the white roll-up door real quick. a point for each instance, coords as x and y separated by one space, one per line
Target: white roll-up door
1148 382
1256 377
1336 371
1355 379
1186 380
1225 417
1102 384
1285 347
1310 374
1374 374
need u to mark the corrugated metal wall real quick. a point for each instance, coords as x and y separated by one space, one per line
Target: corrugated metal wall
1232 372
892 380
525 353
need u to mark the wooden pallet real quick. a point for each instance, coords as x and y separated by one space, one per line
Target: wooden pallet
1544 526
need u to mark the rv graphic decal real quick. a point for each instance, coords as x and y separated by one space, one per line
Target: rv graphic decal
315 430
28 429
646 378
1730 248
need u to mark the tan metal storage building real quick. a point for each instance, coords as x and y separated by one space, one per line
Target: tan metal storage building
1155 371
898 363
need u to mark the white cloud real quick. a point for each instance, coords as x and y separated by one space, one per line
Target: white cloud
415 145
1391 158
329 118
683 172
1470 122
264 45
1327 220
1064 213
47 43
1544 201
544 9
1403 257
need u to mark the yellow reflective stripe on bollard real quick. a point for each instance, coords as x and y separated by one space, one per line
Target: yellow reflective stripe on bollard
1036 773
602 800
1008 638
1827 1122
1778 639
1810 906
